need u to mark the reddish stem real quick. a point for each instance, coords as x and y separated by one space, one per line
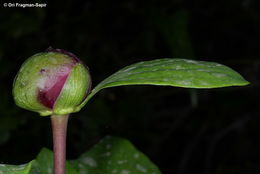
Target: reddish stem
59 131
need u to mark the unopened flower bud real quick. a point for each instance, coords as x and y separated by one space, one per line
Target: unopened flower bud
54 82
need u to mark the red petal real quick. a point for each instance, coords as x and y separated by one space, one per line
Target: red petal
52 86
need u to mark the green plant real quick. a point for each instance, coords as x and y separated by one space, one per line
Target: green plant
56 83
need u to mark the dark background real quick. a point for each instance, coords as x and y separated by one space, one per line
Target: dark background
182 130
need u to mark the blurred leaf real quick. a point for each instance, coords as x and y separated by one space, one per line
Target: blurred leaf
172 72
45 163
15 169
113 155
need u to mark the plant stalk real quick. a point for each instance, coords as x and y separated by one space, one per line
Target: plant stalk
59 132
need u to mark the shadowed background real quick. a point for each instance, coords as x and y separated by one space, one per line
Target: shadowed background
181 130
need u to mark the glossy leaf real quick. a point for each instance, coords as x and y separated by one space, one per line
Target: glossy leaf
172 72
114 156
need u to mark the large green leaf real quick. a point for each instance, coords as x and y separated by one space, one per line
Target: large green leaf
172 72
43 164
114 155
111 155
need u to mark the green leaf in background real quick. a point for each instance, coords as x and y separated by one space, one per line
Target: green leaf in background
172 72
113 155
44 164
15 169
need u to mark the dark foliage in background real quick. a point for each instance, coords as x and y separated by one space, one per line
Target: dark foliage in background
181 130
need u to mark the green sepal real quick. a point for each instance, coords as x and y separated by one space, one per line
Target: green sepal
29 78
73 92
25 83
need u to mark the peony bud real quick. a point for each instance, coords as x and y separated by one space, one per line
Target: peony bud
54 82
